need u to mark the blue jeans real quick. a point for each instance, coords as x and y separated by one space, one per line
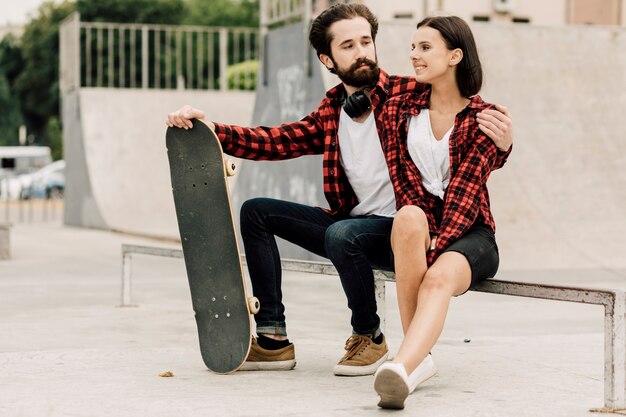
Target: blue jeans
353 244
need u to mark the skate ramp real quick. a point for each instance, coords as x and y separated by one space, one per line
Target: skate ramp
286 93
118 173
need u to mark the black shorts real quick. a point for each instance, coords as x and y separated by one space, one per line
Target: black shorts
478 245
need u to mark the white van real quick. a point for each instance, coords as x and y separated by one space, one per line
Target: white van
15 160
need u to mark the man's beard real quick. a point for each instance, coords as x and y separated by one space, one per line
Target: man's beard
361 78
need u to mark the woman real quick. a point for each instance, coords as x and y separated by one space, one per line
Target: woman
439 161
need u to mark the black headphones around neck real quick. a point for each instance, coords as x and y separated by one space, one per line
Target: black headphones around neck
356 104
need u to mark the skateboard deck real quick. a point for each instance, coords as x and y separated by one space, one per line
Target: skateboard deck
210 247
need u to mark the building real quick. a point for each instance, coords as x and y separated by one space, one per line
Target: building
537 12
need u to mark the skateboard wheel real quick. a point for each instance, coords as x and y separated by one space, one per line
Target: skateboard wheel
230 167
253 305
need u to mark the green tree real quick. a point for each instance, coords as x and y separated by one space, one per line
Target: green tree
11 64
37 85
242 13
228 13
55 136
10 116
132 11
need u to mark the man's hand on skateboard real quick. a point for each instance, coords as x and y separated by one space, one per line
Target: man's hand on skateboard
182 118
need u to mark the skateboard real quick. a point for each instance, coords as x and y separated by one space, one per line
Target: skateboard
210 249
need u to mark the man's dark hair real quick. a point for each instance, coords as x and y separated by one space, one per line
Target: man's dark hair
320 36
456 33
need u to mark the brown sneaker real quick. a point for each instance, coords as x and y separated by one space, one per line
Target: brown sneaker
363 356
260 359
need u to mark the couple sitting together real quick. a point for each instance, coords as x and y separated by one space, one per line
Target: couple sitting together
406 163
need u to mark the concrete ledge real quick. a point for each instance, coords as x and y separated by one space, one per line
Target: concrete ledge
5 241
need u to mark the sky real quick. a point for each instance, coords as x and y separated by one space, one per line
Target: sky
17 11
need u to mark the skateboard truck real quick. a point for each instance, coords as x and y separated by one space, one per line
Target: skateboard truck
230 167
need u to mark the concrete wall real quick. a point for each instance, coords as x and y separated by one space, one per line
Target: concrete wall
599 12
81 209
539 12
288 94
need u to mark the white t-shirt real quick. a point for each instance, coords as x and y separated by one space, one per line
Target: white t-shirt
362 159
431 156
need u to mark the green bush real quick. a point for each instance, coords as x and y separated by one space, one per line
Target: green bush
55 138
242 76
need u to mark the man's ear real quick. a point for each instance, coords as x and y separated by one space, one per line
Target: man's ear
456 57
325 59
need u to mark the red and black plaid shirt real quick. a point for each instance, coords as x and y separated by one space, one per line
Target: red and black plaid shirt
314 134
472 158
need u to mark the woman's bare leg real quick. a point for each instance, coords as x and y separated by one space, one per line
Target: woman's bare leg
410 241
450 275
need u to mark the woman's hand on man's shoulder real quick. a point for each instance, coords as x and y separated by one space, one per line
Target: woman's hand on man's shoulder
498 126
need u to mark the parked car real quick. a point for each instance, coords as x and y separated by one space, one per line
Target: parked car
48 182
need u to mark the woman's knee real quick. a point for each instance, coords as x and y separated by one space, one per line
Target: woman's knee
437 281
410 221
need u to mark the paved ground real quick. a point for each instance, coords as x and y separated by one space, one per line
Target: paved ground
67 349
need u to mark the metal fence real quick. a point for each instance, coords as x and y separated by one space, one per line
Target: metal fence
36 210
20 204
146 56
116 55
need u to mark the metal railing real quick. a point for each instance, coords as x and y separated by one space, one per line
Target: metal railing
115 55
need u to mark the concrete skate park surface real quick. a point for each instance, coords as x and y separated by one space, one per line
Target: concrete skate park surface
68 350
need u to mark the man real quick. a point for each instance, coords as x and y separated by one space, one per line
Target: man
354 233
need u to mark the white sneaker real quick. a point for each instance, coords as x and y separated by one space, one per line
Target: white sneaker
423 372
393 385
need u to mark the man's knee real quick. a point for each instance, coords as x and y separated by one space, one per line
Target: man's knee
252 210
339 237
